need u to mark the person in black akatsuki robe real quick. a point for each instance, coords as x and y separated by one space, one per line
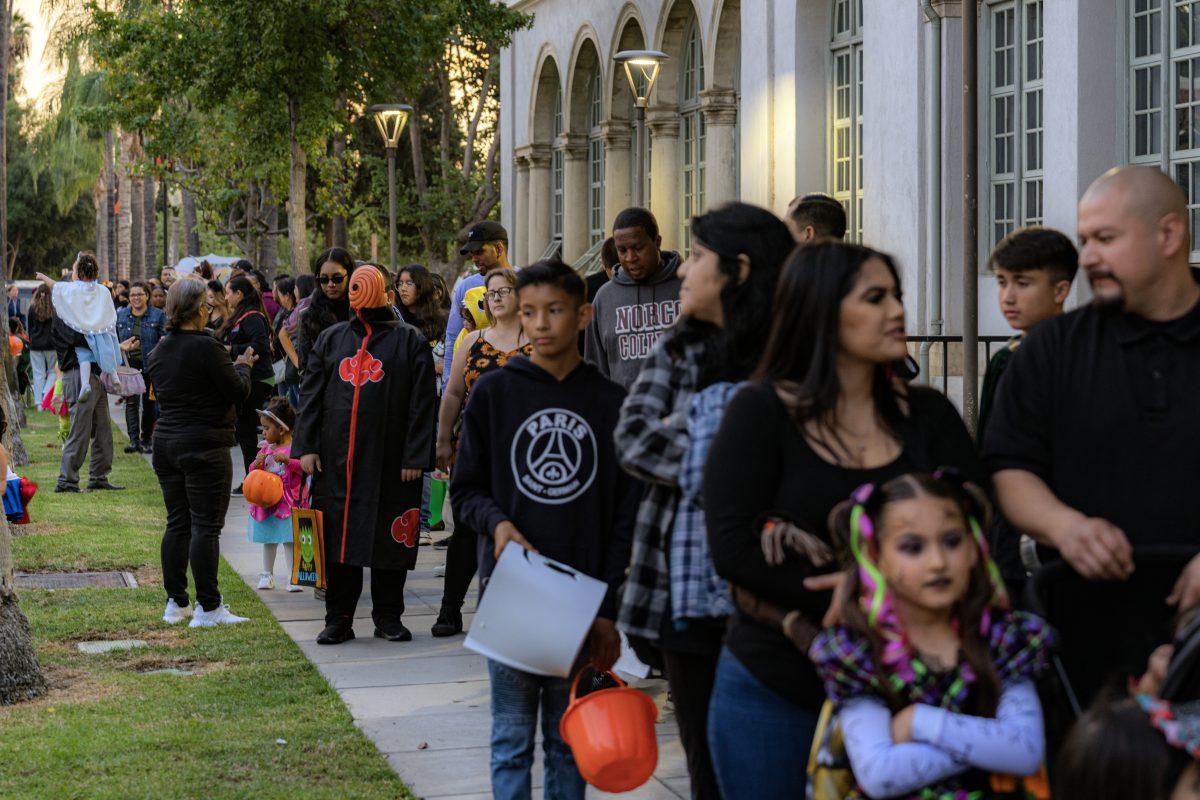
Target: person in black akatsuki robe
365 432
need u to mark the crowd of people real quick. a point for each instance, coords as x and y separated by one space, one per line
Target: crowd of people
804 540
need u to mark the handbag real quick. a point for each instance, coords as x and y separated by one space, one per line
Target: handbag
829 773
308 541
127 382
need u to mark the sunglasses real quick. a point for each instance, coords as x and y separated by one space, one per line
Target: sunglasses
334 279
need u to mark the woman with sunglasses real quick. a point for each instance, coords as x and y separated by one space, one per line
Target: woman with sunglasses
330 302
479 352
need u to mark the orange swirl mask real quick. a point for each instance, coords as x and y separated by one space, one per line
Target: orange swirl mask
367 288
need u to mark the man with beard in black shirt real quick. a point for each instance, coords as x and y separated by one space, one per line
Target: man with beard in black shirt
1095 436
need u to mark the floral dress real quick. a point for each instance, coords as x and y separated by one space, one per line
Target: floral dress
482 358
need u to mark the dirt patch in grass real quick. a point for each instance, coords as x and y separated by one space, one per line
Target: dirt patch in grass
148 576
67 686
153 663
36 529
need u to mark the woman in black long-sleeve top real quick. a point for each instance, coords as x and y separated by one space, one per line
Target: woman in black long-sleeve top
823 416
247 327
199 391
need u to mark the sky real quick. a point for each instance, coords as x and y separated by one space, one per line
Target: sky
38 74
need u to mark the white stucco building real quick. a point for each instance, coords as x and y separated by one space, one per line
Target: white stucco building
766 99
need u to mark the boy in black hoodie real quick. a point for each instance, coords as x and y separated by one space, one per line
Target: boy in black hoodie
537 466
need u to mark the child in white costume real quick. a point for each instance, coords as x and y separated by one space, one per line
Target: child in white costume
86 307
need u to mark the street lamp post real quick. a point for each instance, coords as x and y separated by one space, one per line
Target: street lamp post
646 64
391 118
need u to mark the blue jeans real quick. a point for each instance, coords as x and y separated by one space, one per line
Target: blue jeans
759 741
516 696
43 362
426 493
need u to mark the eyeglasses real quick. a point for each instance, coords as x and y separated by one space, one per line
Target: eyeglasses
334 279
499 294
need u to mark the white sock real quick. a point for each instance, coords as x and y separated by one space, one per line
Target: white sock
287 559
269 558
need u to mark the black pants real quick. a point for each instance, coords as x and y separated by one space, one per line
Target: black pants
691 677
139 418
344 584
462 562
195 486
247 421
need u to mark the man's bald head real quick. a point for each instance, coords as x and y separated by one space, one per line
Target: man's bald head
1145 192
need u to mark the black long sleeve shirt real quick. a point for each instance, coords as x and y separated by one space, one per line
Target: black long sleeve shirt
198 390
66 339
760 465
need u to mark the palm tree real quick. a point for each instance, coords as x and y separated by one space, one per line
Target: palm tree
20 674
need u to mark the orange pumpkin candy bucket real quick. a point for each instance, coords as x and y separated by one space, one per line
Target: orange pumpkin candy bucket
611 734
263 489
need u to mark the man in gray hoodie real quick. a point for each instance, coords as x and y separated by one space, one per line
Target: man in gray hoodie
638 304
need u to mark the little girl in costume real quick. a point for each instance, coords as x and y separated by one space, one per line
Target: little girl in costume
272 527
87 308
931 674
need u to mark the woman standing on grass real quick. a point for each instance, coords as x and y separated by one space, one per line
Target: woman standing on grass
199 391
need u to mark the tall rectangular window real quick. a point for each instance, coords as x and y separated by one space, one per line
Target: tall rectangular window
1164 95
692 124
556 173
1015 131
846 113
596 160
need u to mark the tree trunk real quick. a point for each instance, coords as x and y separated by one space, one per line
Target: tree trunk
124 209
252 223
150 250
20 675
110 206
99 196
268 256
297 227
191 235
338 235
173 228
137 242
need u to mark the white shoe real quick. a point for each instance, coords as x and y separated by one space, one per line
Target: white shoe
439 571
424 539
266 580
176 613
291 587
221 615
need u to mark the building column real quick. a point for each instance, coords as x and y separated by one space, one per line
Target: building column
519 244
575 195
719 107
539 202
663 123
618 193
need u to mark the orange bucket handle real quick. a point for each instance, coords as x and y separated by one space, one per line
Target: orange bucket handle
575 684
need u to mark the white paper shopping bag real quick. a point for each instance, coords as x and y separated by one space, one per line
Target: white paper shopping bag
535 613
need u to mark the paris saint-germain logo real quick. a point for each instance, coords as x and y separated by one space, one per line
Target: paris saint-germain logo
554 456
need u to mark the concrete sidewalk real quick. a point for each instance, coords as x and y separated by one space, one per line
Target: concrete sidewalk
424 703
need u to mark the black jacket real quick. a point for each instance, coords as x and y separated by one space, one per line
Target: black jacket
41 333
539 453
198 390
251 330
66 339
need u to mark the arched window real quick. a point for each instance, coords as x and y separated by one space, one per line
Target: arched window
1164 64
1015 115
556 171
846 109
690 84
595 159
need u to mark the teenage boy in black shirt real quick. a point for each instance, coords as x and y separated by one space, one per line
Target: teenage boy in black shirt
1094 437
537 466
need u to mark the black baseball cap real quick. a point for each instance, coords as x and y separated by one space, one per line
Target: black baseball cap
481 233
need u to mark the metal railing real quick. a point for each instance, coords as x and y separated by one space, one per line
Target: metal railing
928 342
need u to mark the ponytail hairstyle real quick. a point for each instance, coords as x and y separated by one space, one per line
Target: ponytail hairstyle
870 607
184 299
86 266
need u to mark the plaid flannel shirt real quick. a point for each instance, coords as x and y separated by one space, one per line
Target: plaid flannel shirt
697 592
652 437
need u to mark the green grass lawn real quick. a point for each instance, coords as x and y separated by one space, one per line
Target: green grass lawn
109 729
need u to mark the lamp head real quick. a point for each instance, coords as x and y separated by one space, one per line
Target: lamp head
390 118
645 64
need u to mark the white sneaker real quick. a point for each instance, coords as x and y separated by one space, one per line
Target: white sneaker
424 539
175 613
221 615
291 587
266 580
439 571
